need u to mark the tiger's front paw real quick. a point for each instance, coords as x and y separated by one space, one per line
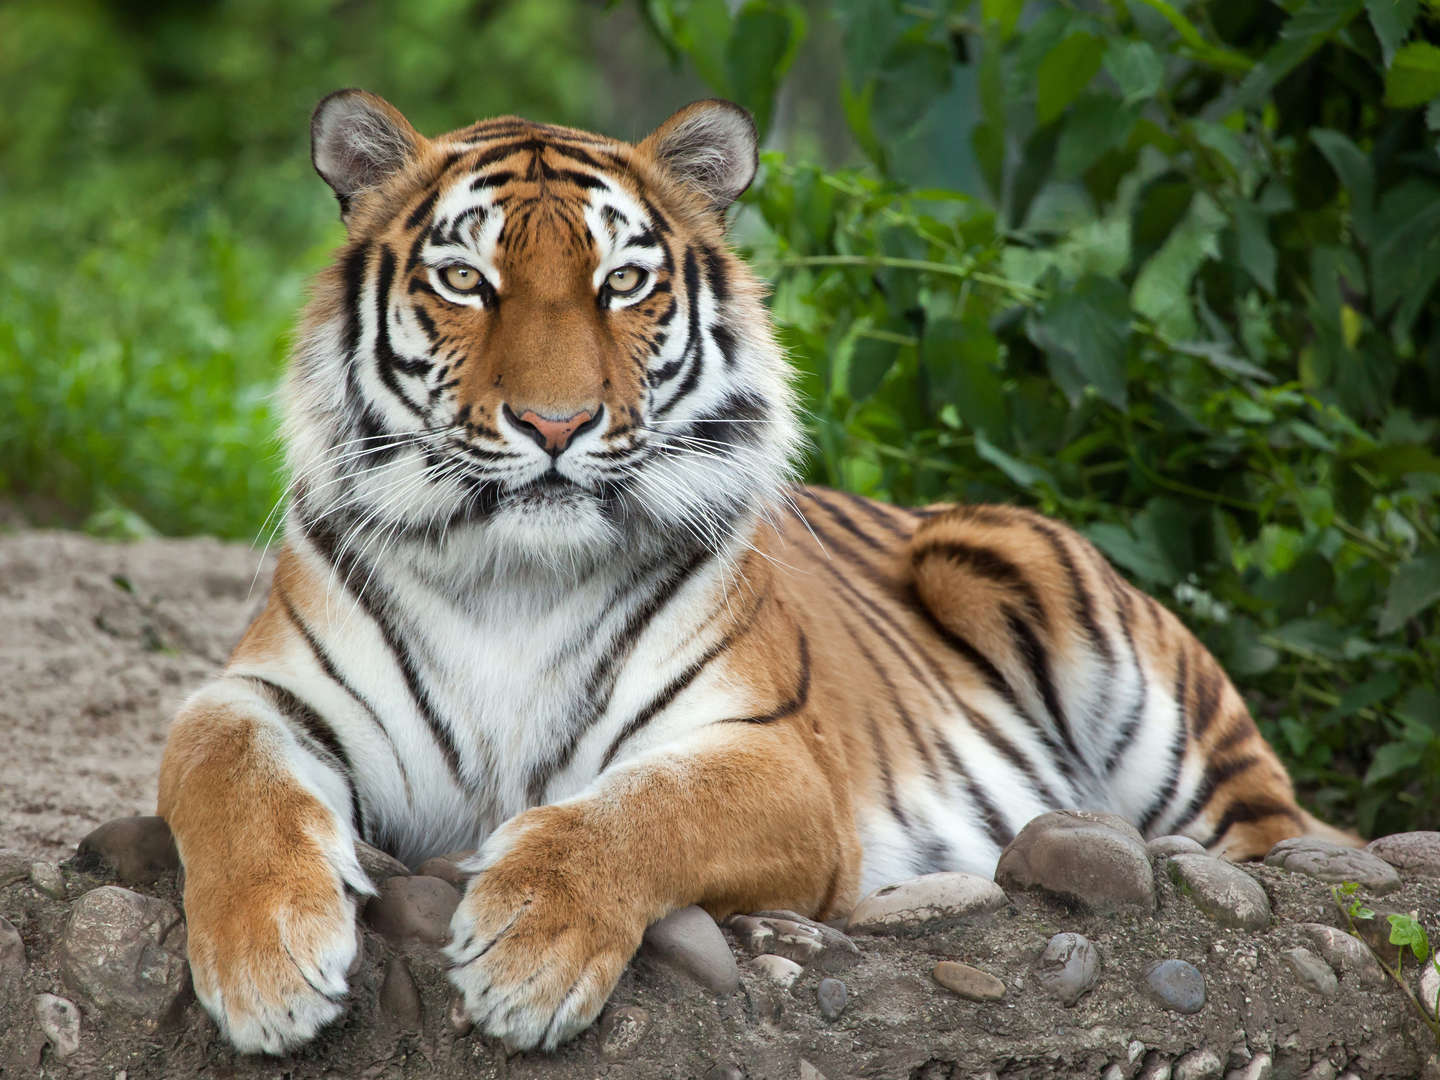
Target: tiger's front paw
270 953
542 934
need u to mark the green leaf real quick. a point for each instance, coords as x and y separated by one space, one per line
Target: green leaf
1139 557
1162 288
703 32
1252 244
1353 168
1414 76
962 361
913 75
1405 255
1002 14
1311 25
1066 71
1393 758
1392 20
762 46
870 360
1089 325
1029 477
1414 586
1406 931
1136 68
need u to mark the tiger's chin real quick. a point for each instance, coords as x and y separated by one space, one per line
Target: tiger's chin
560 525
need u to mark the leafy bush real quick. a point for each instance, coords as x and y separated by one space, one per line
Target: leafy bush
1167 271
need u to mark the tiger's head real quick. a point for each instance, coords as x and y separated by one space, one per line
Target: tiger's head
536 338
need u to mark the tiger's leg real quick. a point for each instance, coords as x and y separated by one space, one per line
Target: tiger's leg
263 828
1098 673
738 817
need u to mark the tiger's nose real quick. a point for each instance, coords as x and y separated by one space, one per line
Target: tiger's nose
551 433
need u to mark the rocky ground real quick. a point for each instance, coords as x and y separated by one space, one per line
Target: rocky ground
1094 955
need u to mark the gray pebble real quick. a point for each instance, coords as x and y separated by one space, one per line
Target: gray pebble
1068 967
969 982
413 909
622 1030
12 956
46 877
399 997
1222 890
1345 953
809 1072
126 952
1177 985
724 1072
1156 1067
1428 990
1412 853
1333 863
832 997
1312 971
931 901
1197 1065
1095 860
136 850
59 1019
379 865
689 941
776 969
1321 1070
1113 1072
1258 1067
1174 845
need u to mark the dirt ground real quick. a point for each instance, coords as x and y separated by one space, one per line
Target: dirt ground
99 642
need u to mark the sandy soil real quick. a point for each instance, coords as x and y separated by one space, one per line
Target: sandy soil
99 642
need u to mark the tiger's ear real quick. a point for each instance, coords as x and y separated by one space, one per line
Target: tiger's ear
358 140
712 146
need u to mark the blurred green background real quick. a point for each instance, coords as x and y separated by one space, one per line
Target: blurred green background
1166 270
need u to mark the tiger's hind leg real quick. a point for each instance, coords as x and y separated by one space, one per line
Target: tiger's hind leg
1094 674
263 830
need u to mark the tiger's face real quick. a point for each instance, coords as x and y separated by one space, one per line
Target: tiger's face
537 337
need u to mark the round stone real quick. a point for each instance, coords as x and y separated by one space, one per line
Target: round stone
1198 1065
46 877
1429 990
724 1072
1413 853
12 956
1222 890
136 850
1174 845
1177 985
399 997
832 997
1345 954
379 865
1068 967
969 982
1312 971
929 902
1333 863
126 952
1094 860
413 909
59 1019
13 867
447 868
1258 1067
776 969
622 1030
689 941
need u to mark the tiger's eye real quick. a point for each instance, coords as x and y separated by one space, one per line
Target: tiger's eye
626 280
461 278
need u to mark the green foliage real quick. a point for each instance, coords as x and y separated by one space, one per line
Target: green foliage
1167 271
159 218
1406 931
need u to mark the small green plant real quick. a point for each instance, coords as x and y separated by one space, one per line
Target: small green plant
1408 933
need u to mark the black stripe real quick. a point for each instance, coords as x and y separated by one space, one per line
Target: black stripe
1177 747
796 701
1082 602
1209 684
1213 777
660 701
987 563
1123 615
353 573
887 778
319 731
600 685
873 510
352 274
906 720
733 421
327 665
422 210
667 372
1037 660
1242 812
492 179
724 341
846 522
386 360
715 274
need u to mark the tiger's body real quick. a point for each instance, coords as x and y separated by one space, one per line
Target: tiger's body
545 590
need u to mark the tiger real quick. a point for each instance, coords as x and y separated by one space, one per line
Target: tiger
549 590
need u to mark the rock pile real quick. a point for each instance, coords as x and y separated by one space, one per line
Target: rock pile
1093 954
